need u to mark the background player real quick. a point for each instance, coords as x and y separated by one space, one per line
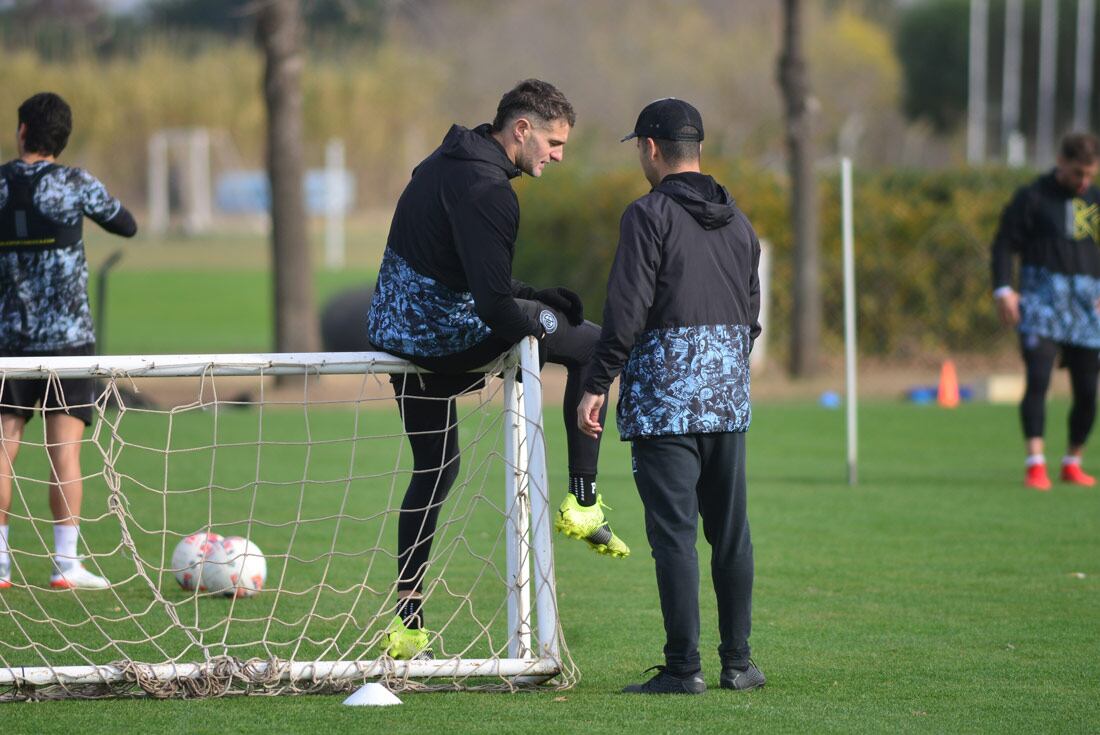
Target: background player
44 311
1051 224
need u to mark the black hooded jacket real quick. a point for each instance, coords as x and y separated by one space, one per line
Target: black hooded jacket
1054 231
682 311
446 278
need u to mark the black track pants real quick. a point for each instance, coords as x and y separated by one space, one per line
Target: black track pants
679 479
1083 363
428 413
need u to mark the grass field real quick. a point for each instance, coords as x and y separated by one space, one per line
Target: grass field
938 596
213 293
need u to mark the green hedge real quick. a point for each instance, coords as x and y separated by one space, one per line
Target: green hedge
922 248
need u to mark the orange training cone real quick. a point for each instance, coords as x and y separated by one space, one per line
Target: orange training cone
948 393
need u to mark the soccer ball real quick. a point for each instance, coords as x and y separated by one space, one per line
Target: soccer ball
187 559
234 568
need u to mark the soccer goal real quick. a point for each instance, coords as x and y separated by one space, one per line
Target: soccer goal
312 469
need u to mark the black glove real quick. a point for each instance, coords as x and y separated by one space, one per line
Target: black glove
565 301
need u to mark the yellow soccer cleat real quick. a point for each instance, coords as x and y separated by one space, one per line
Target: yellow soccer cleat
405 644
587 524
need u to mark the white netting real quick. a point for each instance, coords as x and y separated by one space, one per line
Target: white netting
314 472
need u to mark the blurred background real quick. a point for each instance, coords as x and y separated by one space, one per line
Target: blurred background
944 107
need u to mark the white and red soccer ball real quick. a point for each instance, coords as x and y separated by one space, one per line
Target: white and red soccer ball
188 558
234 568
231 567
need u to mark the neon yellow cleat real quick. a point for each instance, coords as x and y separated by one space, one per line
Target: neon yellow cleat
587 524
405 644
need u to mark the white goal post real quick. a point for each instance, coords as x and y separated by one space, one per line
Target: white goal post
310 630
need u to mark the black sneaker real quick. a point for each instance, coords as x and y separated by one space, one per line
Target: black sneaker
666 683
742 679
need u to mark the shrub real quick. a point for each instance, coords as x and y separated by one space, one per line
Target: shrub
922 249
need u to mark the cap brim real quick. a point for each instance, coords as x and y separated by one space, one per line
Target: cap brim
632 135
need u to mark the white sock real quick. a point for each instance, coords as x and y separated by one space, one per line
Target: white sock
4 557
1034 459
64 543
1070 459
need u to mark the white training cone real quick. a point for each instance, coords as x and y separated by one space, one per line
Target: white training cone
372 695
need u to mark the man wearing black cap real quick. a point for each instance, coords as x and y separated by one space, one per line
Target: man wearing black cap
683 302
446 301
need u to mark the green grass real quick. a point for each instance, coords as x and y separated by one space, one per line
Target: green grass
937 596
211 293
197 311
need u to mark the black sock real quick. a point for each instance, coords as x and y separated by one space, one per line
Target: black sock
583 488
408 609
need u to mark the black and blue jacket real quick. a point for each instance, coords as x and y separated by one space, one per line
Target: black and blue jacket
1054 232
446 283
43 270
683 303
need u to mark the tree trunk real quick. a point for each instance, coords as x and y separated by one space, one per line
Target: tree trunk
806 312
280 34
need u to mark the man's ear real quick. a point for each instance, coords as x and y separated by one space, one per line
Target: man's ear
652 152
520 128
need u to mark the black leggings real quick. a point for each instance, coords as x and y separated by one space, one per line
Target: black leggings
428 411
1084 366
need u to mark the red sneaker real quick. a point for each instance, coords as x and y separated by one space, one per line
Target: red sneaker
1036 478
1074 475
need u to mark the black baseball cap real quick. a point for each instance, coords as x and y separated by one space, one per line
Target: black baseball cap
668 119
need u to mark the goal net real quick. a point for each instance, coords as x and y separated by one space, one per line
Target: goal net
312 470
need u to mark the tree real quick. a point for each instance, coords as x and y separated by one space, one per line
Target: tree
279 27
932 44
806 307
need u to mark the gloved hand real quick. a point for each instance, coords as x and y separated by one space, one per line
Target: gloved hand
565 301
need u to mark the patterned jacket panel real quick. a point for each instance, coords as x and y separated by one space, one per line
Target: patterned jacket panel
1060 307
415 315
44 294
686 380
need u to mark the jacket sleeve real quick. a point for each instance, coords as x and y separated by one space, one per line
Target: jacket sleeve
521 290
1011 234
754 292
121 224
484 223
630 291
103 209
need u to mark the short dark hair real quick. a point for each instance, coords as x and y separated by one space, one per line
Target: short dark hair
678 151
534 97
1081 148
49 120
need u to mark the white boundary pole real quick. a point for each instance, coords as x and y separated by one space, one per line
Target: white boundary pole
849 318
165 366
158 183
759 357
1082 83
1048 83
539 494
975 127
336 204
285 671
518 520
1010 81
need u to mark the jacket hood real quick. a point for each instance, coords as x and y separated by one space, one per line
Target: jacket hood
477 145
704 198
